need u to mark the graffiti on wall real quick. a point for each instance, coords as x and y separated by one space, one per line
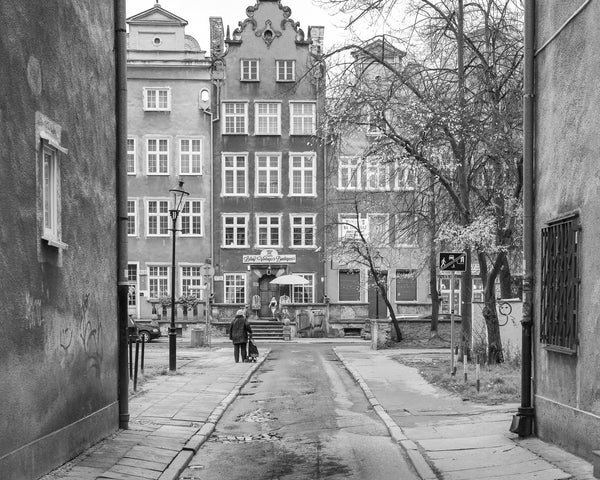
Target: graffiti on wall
90 336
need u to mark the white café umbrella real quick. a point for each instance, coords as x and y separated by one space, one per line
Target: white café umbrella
290 279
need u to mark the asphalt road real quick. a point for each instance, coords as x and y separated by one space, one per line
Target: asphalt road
300 417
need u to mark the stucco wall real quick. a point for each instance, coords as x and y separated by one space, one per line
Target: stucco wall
568 179
58 348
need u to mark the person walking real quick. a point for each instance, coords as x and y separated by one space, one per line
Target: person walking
239 334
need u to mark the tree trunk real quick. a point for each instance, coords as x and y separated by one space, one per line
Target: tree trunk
435 297
495 354
505 280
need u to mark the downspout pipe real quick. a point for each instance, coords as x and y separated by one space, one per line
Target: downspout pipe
121 193
522 423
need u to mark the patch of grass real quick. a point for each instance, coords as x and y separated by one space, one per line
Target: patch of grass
497 383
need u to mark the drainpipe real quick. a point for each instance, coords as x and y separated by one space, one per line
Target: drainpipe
522 423
121 193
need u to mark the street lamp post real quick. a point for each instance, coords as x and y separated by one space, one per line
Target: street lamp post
178 195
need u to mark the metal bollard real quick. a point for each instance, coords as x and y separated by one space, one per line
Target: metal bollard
143 349
130 359
135 373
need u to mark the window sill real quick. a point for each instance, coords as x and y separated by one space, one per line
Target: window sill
53 242
561 350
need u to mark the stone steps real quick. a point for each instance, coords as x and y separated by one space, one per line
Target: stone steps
266 330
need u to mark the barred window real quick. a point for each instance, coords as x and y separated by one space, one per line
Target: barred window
560 284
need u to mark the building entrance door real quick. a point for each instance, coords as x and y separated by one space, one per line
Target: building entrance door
377 307
267 291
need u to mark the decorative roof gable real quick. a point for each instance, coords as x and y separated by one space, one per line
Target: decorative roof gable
157 16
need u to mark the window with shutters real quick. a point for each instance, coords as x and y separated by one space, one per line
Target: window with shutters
560 284
349 285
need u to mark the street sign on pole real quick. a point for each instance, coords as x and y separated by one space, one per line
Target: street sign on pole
453 261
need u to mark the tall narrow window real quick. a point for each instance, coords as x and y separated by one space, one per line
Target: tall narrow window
131 154
132 278
191 218
132 216
267 118
303 118
158 281
304 293
235 230
157 218
191 281
303 175
268 175
190 156
235 118
406 286
268 230
560 285
349 285
303 230
235 175
286 70
157 154
235 287
349 173
249 70
50 187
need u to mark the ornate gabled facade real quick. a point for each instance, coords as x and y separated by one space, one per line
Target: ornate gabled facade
168 80
268 163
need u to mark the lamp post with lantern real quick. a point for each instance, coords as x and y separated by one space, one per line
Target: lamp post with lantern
178 194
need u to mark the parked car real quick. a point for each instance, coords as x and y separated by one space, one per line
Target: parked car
148 331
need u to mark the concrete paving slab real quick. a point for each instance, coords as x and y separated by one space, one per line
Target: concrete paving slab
486 441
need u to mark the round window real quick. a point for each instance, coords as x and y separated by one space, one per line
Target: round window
156 41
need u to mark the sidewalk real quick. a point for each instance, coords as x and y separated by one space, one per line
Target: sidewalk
171 416
447 438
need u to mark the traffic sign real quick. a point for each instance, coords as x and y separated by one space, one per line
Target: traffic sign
453 261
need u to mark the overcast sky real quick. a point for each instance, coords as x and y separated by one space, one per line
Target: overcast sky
197 12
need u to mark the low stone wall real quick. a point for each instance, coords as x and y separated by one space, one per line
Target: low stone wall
421 330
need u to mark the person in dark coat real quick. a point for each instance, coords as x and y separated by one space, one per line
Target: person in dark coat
239 333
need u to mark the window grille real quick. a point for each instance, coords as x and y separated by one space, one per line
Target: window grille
560 284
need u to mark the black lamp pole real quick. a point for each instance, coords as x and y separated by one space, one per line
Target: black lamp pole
178 195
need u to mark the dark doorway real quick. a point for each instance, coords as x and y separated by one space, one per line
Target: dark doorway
377 307
267 291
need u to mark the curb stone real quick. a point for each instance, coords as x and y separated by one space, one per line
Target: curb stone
184 457
417 460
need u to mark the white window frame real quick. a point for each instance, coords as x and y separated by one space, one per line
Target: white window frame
191 278
378 220
50 193
282 70
304 172
158 277
272 118
188 154
132 216
190 216
301 289
246 74
274 223
131 156
132 296
381 172
236 227
234 281
303 227
160 153
159 214
234 170
404 174
235 116
308 121
269 172
153 104
350 168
